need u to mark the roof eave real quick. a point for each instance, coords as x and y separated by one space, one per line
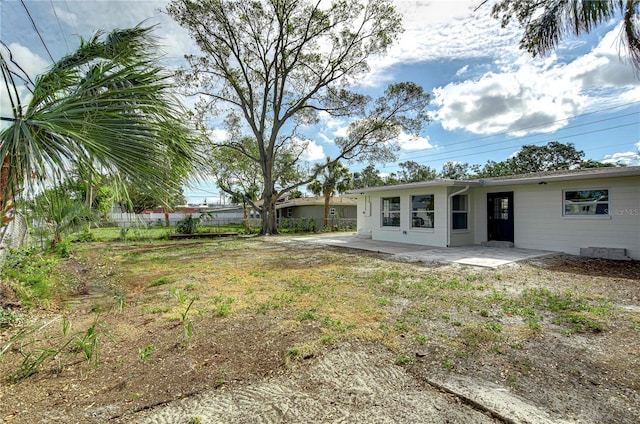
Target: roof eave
420 184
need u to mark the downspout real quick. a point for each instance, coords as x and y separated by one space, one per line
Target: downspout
449 197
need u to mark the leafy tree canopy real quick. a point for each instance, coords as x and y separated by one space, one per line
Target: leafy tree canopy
368 177
411 171
455 171
270 67
553 156
334 178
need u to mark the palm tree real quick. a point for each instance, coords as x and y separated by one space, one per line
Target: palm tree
546 22
335 178
60 212
106 108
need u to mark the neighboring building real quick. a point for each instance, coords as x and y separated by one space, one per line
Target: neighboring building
563 211
341 209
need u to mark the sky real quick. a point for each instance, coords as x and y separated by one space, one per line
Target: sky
488 97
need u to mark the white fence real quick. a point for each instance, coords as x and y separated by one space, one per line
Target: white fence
158 219
13 235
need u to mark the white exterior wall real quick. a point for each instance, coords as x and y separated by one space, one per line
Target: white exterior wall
539 222
364 216
464 237
370 225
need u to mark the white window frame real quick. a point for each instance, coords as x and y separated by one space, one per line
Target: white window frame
332 211
464 211
425 218
389 215
587 207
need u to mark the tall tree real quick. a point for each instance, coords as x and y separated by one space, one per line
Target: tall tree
411 171
271 66
335 178
368 177
546 22
553 156
550 157
107 108
455 170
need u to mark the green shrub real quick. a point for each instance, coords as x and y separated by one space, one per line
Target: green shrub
63 249
32 271
188 225
86 235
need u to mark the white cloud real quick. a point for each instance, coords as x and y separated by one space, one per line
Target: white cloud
308 149
443 30
462 70
66 16
515 101
606 65
411 142
30 62
625 158
217 135
313 151
526 95
331 127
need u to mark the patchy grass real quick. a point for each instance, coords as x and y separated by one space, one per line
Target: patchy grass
256 305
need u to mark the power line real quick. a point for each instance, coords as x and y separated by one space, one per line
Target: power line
523 137
37 31
73 21
536 143
581 115
59 25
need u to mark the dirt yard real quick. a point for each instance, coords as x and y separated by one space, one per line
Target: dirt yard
261 331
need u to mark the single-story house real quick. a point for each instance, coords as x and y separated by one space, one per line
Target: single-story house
341 209
593 212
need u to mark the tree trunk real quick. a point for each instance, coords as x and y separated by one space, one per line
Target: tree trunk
269 216
6 196
89 195
269 197
167 221
327 199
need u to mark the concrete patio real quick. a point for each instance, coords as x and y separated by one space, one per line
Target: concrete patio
488 257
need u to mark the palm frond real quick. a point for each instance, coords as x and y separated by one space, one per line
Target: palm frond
107 107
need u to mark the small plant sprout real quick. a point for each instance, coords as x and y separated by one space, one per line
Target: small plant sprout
66 325
145 353
403 360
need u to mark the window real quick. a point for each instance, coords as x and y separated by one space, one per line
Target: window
586 202
422 211
391 212
332 212
289 212
459 212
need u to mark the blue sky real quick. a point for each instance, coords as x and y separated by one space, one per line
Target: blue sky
488 97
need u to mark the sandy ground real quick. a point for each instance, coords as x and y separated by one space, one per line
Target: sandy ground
235 368
353 383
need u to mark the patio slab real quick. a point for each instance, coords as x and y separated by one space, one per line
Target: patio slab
481 256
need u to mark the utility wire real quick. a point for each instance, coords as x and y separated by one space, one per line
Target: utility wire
73 21
408 155
59 25
535 143
37 31
470 140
